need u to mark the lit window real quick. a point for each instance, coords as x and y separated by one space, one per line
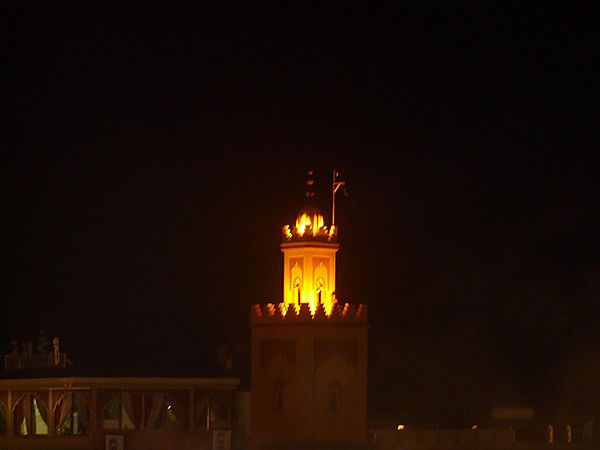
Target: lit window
30 416
154 410
296 296
120 412
71 415
163 411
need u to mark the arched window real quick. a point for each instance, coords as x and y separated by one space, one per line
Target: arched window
320 285
333 396
320 277
296 277
71 415
278 387
30 416
297 294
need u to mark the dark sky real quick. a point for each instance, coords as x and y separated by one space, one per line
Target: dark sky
152 154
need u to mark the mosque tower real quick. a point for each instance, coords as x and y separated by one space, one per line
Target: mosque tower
309 351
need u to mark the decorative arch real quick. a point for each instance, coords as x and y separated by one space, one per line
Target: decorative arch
296 277
320 282
321 274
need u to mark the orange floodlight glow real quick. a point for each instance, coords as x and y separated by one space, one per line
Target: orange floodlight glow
309 221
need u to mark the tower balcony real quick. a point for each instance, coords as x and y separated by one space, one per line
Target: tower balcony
271 313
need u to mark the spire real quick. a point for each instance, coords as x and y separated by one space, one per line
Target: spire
310 224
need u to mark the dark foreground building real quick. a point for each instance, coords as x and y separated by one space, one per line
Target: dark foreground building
50 410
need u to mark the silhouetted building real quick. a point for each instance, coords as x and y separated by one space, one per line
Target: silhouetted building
24 356
44 410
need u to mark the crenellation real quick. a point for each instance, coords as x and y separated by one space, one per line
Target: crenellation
278 313
304 311
270 309
320 313
362 311
345 309
337 312
255 312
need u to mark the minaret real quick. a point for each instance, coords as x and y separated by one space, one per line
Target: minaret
309 249
309 351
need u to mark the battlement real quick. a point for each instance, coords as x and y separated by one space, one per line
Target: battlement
296 234
267 313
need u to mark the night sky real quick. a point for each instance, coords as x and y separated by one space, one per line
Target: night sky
152 155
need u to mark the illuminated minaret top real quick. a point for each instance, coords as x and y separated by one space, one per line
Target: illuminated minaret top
310 225
309 249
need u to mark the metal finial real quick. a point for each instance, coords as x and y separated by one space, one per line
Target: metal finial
310 193
335 185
